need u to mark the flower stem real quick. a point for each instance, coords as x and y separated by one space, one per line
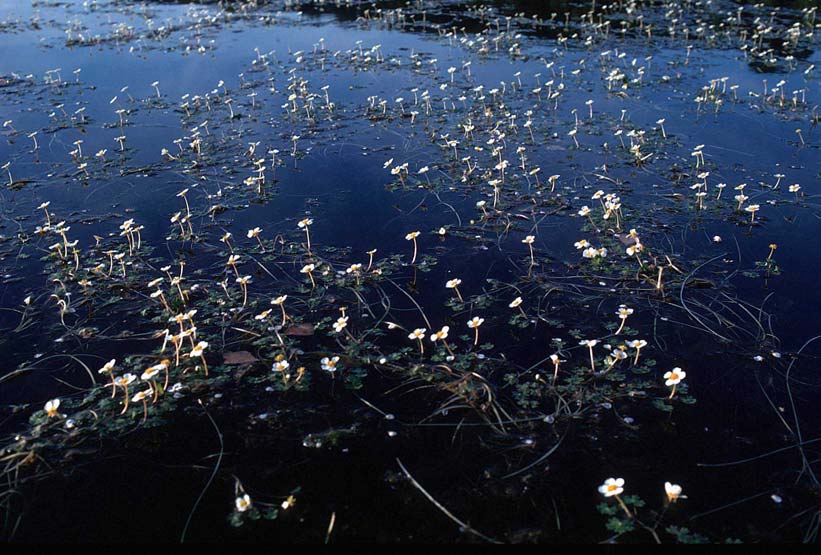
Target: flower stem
623 506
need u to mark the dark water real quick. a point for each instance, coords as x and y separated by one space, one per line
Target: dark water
327 439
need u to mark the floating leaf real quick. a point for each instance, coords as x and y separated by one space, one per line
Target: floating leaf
237 358
300 330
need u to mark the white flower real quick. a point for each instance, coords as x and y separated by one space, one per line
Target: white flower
418 333
623 312
618 354
243 503
329 364
673 491
199 349
674 377
262 315
611 487
51 407
108 367
632 250
280 366
340 323
151 372
125 379
142 395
